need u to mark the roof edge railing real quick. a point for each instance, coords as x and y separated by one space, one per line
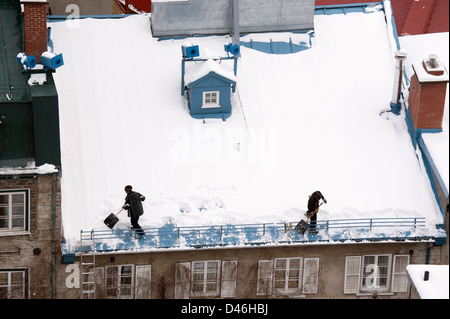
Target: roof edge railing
338 230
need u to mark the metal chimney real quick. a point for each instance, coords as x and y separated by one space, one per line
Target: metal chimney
399 56
236 29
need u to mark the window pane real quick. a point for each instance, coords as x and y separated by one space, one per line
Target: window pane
369 260
279 284
212 266
280 263
3 292
294 263
197 287
383 260
125 281
126 271
211 287
4 200
111 292
18 199
198 277
4 219
125 292
199 267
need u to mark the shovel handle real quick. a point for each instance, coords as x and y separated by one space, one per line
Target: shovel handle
119 212
314 211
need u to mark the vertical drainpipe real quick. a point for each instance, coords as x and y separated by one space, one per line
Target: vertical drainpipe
399 56
236 30
54 236
427 257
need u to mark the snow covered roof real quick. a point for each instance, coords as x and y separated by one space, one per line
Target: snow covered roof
204 68
301 122
419 47
436 287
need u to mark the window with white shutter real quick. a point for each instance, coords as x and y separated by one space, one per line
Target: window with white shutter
399 276
287 274
264 284
310 275
229 275
205 278
375 272
143 279
352 274
119 281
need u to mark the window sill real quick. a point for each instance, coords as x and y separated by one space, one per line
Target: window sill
14 233
366 294
212 106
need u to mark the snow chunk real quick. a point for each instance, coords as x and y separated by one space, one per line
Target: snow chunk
205 68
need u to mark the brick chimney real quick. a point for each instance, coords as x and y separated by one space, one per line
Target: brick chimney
427 93
35 25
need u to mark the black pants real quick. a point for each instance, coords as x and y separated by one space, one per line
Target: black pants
312 221
136 226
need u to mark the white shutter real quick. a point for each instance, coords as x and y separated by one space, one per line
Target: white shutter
182 280
399 276
264 284
310 275
99 282
143 279
352 274
229 274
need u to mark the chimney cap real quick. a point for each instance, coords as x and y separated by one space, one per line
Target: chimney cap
430 69
400 54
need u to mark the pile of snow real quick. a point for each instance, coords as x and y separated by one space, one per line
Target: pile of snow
300 122
30 168
436 287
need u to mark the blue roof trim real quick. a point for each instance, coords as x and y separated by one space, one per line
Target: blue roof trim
60 18
229 236
431 170
344 8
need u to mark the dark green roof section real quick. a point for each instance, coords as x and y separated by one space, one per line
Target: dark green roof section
13 83
29 115
46 122
16 134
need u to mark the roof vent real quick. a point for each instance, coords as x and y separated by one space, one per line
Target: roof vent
433 65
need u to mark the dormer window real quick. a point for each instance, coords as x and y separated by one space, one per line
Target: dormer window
210 99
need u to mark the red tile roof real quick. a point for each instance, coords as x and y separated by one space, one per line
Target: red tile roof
411 16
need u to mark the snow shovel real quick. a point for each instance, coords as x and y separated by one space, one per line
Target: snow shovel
303 226
112 219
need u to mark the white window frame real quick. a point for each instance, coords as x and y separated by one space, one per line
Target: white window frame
7 284
205 280
373 269
115 282
26 212
207 104
289 274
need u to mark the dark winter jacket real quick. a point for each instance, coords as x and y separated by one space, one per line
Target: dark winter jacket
133 204
313 202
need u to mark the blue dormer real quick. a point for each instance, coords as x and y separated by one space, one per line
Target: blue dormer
209 86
